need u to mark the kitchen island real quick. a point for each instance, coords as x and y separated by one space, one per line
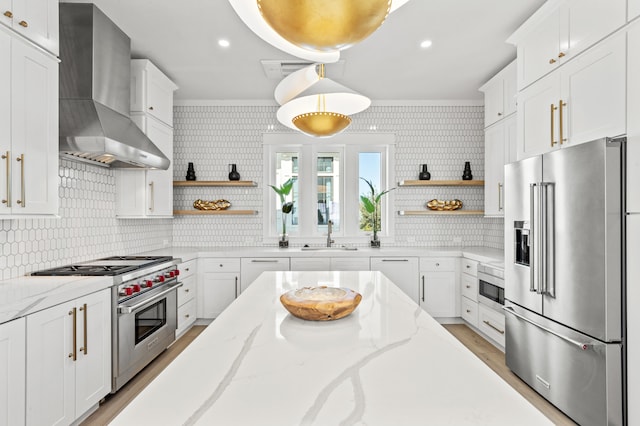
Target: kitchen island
388 363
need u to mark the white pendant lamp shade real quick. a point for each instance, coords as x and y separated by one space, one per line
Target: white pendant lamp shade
315 30
296 83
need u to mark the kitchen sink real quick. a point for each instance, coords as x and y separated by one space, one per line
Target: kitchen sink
341 248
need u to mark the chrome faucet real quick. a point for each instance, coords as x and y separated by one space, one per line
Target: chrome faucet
329 230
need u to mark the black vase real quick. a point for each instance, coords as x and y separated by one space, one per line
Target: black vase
233 174
191 173
466 174
424 174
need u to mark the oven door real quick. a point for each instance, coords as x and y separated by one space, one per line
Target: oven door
144 331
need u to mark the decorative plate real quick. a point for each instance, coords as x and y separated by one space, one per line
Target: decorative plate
211 205
321 303
444 205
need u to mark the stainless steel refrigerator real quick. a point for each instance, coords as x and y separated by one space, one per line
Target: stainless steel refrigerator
564 278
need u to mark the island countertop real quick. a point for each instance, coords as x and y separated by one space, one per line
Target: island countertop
388 363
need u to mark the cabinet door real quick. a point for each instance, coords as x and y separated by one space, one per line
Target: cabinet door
6 159
494 139
12 372
594 89
633 124
537 123
349 263
493 100
159 96
50 366
218 291
633 316
6 18
439 294
131 194
491 323
538 51
188 290
34 124
251 268
160 182
634 9
310 264
510 83
37 20
93 367
403 271
510 140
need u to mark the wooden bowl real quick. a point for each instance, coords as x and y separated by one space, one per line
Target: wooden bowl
321 303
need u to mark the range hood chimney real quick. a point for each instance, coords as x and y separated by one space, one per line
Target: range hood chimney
95 72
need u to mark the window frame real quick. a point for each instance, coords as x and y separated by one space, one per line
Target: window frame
307 148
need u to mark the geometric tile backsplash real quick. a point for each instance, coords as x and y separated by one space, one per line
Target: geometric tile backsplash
212 137
444 137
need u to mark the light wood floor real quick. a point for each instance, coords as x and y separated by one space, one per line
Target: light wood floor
484 350
494 358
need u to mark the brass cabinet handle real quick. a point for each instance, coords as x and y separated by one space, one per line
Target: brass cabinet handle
561 55
552 61
468 311
552 108
186 316
22 201
150 108
153 197
499 114
8 14
562 138
423 288
23 24
493 326
73 355
499 196
186 290
7 158
84 319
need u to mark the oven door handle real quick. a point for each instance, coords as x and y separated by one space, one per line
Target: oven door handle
129 309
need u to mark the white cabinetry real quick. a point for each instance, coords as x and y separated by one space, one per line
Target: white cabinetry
633 316
350 264
560 30
491 323
582 101
438 293
633 123
218 285
634 9
12 372
37 20
330 264
403 271
68 359
469 290
187 310
28 129
499 144
251 268
149 193
500 95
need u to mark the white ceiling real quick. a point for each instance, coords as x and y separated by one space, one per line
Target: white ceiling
180 37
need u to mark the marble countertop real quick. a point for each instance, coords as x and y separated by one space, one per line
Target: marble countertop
387 363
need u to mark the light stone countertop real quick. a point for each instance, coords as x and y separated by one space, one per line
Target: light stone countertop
388 363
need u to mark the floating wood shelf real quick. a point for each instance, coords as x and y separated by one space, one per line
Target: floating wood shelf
441 213
215 212
441 183
214 183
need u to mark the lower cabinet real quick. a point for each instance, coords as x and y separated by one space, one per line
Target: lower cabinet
491 323
251 268
403 271
68 359
329 263
187 296
12 372
218 285
469 291
438 289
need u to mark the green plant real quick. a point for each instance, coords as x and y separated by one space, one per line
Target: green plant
371 203
287 206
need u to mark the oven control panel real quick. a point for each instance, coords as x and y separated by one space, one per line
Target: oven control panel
148 282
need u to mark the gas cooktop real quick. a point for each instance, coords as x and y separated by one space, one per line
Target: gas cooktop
108 266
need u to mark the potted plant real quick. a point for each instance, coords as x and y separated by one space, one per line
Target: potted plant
371 204
283 191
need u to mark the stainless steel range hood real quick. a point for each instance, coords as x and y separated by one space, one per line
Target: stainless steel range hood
95 72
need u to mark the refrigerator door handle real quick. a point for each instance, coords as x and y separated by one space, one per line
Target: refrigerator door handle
579 345
548 232
533 244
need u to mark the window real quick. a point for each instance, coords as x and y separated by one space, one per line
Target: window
327 185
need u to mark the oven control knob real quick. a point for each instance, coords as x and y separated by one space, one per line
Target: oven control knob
160 279
136 288
176 272
126 291
148 283
170 274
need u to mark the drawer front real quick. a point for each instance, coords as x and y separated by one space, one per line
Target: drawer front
491 323
470 311
470 267
432 264
219 265
186 316
187 291
310 264
469 286
350 264
187 268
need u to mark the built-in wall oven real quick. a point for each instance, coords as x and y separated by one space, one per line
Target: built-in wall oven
491 285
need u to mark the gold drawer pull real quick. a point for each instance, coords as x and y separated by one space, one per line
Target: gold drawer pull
8 14
493 326
552 61
23 24
561 55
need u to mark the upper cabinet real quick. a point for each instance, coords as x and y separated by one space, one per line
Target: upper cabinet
633 124
633 9
500 95
36 20
151 91
582 101
28 129
560 30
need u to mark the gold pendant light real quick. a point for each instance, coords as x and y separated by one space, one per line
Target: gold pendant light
324 25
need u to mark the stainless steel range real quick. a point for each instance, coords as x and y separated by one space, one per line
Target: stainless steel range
144 307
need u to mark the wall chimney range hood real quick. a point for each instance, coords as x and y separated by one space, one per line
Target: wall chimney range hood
95 72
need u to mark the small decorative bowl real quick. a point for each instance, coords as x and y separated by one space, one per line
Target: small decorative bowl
444 205
211 205
321 303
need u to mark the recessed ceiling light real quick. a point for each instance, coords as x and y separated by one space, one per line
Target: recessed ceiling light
223 43
426 44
